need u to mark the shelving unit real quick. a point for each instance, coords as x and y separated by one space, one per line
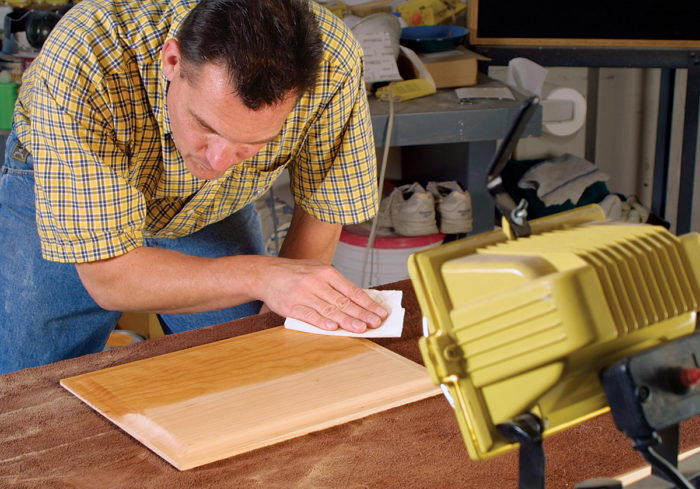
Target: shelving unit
444 139
669 60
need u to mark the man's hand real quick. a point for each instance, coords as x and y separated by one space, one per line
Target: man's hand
309 289
318 294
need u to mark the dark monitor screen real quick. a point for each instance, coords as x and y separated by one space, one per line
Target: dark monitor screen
591 22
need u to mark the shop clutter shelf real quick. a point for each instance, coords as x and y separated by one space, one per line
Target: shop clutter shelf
443 138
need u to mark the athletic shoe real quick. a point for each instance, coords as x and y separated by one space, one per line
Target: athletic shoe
454 207
412 210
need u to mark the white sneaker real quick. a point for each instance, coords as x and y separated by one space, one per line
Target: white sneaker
412 210
454 207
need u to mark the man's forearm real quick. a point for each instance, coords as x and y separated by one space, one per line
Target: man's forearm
166 281
310 238
305 288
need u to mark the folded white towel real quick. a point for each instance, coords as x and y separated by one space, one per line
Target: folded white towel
561 179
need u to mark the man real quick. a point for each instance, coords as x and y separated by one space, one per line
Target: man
142 134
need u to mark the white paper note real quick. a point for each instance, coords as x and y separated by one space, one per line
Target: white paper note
380 64
390 328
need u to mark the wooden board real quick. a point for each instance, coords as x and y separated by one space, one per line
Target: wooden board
214 401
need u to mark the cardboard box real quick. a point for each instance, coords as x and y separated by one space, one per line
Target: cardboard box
454 68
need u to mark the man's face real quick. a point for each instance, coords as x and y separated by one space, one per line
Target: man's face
211 126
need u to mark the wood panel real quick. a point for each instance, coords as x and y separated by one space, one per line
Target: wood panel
214 401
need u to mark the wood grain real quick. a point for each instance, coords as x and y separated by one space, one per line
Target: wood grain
210 402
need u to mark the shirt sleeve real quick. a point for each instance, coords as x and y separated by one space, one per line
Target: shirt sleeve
85 208
334 176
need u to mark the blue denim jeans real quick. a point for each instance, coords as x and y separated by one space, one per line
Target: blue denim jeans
46 314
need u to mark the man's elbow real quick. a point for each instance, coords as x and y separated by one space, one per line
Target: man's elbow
98 281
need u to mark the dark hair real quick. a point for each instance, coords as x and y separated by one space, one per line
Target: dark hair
270 48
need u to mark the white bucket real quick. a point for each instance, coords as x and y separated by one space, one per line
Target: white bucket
388 259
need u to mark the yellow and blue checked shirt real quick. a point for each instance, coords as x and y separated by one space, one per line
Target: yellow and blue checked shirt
92 112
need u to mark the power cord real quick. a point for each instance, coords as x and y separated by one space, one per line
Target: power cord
664 466
382 172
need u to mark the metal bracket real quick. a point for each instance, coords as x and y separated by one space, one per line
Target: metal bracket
516 215
527 430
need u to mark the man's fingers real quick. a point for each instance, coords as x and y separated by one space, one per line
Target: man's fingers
363 299
312 316
332 317
355 312
337 311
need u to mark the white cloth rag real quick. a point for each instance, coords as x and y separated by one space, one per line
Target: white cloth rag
390 328
561 179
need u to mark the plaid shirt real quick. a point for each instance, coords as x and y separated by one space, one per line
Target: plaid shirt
92 112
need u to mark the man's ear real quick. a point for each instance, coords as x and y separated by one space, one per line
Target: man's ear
171 59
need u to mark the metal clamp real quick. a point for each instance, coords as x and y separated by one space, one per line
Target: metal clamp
527 430
515 214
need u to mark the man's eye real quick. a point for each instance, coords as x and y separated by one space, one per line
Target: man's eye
198 122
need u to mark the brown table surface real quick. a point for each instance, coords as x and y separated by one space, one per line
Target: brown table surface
50 439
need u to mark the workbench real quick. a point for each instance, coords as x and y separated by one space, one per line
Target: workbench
443 138
50 439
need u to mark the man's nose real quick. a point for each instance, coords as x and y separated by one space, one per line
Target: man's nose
222 155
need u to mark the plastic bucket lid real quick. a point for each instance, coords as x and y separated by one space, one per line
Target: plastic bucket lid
357 236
